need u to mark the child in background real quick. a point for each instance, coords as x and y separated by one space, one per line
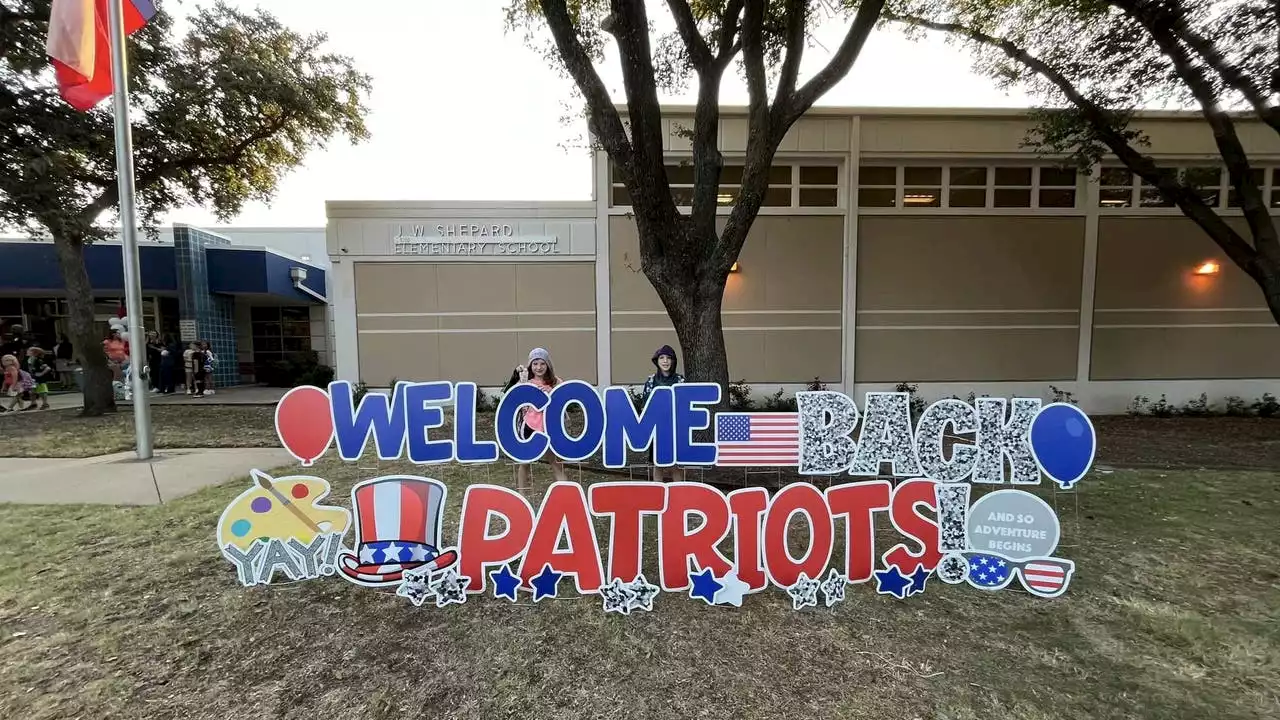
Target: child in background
197 370
189 382
41 373
210 362
17 382
664 360
540 374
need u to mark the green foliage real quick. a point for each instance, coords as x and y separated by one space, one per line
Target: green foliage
777 402
222 112
740 396
1235 406
359 391
1199 407
1267 406
1062 396
816 385
303 368
918 403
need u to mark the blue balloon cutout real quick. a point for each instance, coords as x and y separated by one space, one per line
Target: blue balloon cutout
1063 442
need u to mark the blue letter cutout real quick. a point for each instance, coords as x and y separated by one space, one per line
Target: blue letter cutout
422 412
468 449
376 413
690 418
522 451
565 446
624 431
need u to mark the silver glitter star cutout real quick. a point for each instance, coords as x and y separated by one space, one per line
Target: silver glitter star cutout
642 594
450 588
415 586
833 588
617 597
804 593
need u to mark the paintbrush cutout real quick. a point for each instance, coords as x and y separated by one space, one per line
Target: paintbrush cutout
266 482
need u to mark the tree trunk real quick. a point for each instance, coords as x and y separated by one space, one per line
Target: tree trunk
99 396
693 304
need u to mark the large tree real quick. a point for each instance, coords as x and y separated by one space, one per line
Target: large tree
221 113
685 256
1101 58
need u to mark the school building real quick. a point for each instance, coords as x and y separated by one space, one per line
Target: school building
258 295
919 245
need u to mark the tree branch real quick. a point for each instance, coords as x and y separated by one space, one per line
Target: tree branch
1160 26
699 53
602 116
864 21
729 24
795 14
1185 198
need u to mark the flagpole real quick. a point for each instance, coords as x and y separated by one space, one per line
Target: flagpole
129 230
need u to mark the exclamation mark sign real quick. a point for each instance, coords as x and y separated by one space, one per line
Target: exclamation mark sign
953 540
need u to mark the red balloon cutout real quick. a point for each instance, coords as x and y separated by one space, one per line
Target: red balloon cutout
304 423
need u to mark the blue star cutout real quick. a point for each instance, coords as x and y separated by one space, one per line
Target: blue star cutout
918 579
892 582
704 587
505 583
544 583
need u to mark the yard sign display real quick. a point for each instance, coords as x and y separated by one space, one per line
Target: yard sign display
282 529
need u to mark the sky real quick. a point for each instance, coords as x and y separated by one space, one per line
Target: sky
463 110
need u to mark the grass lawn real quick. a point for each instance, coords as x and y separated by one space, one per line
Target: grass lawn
1174 613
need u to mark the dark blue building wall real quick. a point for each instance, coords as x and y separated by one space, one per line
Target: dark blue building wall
34 266
259 271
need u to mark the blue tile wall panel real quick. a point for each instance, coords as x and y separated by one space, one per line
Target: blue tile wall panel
214 314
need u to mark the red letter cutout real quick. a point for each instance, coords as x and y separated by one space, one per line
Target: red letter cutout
804 498
747 505
626 503
908 521
477 549
858 502
564 511
676 544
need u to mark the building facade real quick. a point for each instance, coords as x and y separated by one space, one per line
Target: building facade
924 246
246 299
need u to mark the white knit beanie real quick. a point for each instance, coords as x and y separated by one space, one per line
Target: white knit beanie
539 354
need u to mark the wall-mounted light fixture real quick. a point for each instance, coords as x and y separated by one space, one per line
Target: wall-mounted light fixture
305 258
734 269
1208 267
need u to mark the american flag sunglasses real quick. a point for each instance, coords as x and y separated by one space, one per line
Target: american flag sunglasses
1045 577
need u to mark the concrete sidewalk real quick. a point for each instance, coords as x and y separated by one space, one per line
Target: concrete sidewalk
120 479
238 395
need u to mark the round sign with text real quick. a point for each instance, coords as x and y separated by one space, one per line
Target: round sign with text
1013 523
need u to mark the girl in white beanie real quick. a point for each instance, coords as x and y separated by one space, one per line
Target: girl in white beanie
541 375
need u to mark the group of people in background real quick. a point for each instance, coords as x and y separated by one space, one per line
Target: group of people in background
540 373
27 371
167 360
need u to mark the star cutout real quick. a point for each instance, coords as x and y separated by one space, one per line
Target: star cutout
417 553
617 597
804 593
704 586
416 587
505 583
892 582
367 556
450 588
642 594
918 579
833 588
545 584
731 590
391 553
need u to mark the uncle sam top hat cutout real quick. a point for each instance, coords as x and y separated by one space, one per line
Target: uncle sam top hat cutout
398 521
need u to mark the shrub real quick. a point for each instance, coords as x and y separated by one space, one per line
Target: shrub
1062 396
637 398
359 391
302 368
917 402
1162 408
1140 405
486 402
740 396
1267 406
816 385
1198 407
1236 406
777 403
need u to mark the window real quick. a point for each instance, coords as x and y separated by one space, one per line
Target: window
878 186
967 187
922 186
278 332
1057 187
1116 188
1259 178
1012 187
815 185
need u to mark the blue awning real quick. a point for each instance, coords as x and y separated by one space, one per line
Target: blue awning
259 271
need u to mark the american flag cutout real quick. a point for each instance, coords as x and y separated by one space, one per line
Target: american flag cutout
1046 577
990 572
759 439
